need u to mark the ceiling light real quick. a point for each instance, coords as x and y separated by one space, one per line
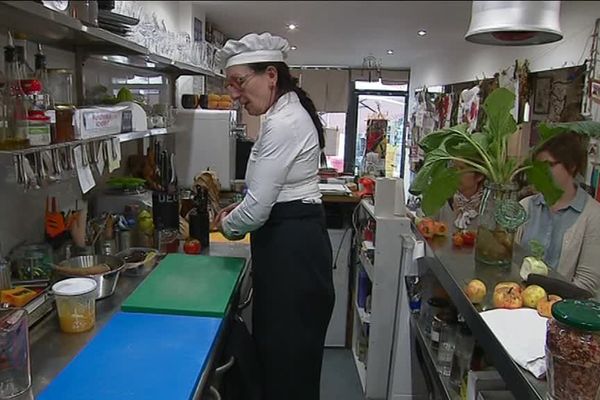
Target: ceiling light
294 48
390 52
291 27
518 23
422 32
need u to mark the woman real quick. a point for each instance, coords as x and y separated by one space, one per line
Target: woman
570 229
291 252
462 210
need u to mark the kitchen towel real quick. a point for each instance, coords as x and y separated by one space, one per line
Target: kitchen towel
525 347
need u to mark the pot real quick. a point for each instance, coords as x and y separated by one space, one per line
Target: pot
107 281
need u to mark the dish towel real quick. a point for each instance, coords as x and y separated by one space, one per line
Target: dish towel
522 333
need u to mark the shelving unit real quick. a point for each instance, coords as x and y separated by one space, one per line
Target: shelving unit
384 274
49 27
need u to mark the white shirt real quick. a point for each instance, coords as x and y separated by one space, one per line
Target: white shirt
282 166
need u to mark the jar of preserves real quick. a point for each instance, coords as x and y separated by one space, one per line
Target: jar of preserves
573 351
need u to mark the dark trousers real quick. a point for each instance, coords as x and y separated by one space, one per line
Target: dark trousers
293 299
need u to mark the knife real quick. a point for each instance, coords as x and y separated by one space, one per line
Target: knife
164 169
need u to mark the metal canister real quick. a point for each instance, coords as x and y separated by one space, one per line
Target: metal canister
123 240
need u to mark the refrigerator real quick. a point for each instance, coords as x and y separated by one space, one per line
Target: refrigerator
204 140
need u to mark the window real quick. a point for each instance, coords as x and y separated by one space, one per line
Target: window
363 85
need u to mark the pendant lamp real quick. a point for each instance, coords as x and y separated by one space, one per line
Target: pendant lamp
514 23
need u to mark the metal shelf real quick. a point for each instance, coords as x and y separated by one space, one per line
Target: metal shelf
454 268
123 137
45 26
442 382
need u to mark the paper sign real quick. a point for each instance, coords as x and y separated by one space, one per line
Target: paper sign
84 172
114 155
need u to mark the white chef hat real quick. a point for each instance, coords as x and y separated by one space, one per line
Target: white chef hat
253 48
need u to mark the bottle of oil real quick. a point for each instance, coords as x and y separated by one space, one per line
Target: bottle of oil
15 103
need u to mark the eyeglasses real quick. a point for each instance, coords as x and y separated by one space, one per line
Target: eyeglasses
237 83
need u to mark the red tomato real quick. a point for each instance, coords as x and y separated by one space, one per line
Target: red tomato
469 238
192 246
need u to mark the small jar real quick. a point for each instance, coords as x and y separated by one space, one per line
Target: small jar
38 131
573 351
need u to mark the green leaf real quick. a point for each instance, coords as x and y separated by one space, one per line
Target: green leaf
443 186
500 122
423 178
541 177
586 128
433 140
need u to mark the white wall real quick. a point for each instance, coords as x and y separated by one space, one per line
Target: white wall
467 61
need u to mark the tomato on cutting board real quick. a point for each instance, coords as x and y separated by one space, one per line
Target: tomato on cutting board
192 246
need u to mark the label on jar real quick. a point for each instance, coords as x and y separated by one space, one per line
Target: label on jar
39 135
435 336
52 115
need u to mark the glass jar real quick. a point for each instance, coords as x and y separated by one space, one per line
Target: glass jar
15 374
447 341
461 360
499 217
76 304
573 351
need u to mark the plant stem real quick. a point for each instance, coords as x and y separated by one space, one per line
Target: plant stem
484 156
518 171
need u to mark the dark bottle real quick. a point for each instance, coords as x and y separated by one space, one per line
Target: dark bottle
199 218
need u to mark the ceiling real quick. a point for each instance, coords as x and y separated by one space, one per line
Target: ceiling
344 32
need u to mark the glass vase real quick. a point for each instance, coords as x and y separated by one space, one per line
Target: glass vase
499 217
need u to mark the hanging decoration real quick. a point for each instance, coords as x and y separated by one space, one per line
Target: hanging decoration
372 66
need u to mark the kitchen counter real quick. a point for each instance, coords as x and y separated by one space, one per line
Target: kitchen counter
52 350
454 268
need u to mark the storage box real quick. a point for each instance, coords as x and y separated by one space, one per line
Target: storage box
101 121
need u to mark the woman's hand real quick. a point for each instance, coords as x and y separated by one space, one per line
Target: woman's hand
218 221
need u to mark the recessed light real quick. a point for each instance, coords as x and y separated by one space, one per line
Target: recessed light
390 52
294 48
291 27
422 32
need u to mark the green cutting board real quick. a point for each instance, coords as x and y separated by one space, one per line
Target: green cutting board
188 285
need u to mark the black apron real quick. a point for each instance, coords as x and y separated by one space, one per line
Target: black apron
293 299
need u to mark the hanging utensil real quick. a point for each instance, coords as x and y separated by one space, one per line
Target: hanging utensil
173 182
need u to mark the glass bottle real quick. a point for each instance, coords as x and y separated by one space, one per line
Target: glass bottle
15 103
44 100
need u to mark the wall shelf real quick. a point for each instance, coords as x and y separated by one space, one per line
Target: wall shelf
48 27
123 137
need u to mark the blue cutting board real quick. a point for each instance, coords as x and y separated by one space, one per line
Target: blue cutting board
138 357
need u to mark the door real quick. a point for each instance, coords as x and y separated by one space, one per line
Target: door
376 139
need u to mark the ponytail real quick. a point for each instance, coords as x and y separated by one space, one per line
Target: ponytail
287 83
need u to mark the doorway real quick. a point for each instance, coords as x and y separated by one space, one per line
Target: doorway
376 137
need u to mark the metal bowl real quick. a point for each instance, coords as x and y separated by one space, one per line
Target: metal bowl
139 267
107 281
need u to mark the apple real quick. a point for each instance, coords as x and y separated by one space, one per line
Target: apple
507 297
513 285
544 306
476 291
192 246
532 295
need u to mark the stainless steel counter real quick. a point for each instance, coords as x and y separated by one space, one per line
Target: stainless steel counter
51 350
454 268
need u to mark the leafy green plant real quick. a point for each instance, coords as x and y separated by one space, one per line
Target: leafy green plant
486 152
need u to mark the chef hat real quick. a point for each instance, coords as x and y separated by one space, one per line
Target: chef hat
253 48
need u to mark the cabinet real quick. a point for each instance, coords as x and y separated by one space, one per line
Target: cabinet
381 335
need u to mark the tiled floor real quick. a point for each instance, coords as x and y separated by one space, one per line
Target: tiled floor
339 379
